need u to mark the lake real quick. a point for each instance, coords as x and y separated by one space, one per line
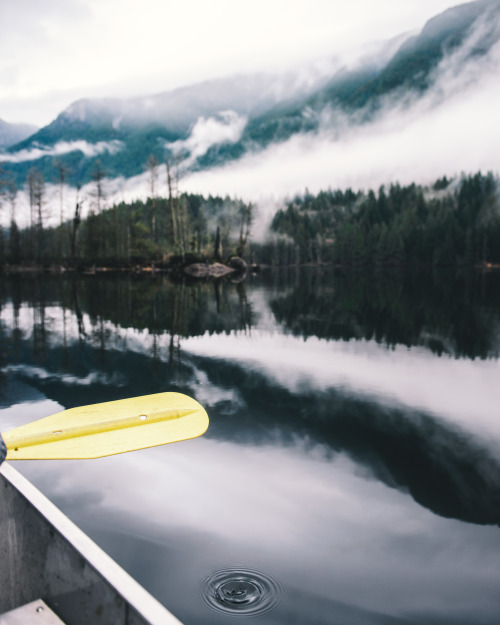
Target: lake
351 470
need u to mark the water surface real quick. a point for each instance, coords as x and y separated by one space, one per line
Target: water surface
350 471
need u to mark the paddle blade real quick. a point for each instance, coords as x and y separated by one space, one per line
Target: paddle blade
109 428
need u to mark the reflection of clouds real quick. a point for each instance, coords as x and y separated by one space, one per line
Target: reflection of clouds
19 414
207 394
314 524
62 325
440 468
39 373
462 391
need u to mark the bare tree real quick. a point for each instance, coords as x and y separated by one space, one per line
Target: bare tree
36 193
8 193
245 226
98 176
14 238
40 209
2 239
3 186
181 214
11 193
172 204
152 165
31 183
98 194
3 182
77 218
63 172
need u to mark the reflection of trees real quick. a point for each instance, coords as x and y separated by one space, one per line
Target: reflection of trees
443 311
456 314
163 308
101 306
155 305
442 468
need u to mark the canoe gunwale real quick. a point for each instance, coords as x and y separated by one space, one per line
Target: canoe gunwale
102 573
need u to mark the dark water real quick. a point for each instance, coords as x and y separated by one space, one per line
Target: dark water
351 471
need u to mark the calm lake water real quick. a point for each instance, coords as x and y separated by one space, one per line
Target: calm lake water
351 471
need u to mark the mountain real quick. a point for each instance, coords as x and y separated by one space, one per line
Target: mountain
411 71
214 122
122 133
10 134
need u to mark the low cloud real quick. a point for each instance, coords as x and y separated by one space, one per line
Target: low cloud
453 128
223 40
226 127
63 147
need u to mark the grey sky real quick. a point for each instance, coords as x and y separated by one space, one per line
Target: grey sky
53 52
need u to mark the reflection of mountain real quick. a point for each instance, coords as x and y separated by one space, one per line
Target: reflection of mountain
447 313
111 338
442 468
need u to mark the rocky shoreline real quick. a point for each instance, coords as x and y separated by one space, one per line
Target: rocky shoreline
200 270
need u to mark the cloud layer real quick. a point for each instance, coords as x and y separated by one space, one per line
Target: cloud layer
62 147
53 52
226 127
454 128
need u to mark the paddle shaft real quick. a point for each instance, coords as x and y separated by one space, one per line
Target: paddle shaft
107 428
88 430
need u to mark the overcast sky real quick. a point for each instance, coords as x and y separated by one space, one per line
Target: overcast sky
53 52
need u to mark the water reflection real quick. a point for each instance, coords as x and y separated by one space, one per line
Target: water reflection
445 312
86 346
364 480
333 538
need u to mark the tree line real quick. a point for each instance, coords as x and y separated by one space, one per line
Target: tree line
453 222
159 229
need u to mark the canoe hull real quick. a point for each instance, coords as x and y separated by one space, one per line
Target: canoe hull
43 555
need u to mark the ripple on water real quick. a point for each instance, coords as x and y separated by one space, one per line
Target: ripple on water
242 591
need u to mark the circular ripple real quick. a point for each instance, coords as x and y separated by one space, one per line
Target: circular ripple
242 591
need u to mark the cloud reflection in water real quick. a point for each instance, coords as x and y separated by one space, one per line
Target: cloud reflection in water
214 503
364 479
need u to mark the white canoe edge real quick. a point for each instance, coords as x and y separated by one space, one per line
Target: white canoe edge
44 555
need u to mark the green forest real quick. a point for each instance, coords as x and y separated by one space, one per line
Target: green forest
164 231
453 222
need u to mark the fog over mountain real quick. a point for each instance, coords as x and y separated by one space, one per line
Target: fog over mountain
415 108
10 134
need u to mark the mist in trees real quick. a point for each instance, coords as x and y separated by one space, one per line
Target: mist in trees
178 227
452 223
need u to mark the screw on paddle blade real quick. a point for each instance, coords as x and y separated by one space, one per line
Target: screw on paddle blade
108 428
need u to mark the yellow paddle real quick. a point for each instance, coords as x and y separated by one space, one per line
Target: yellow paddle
105 429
